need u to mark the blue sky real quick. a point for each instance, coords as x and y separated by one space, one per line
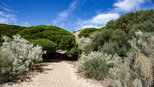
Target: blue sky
71 15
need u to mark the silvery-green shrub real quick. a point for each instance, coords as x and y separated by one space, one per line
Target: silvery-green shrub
84 43
24 56
96 64
136 70
143 44
143 69
6 58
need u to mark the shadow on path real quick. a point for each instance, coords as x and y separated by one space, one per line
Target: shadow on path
55 57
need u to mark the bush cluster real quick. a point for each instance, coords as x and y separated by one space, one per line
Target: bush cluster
9 30
18 56
110 41
87 31
6 59
134 70
51 38
54 37
127 21
73 53
84 44
63 38
137 69
131 38
95 68
46 44
114 38
96 64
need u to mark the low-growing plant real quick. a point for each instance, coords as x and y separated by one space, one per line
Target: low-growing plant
73 53
136 75
6 58
110 41
122 75
84 44
110 48
136 70
21 56
95 65
143 68
95 68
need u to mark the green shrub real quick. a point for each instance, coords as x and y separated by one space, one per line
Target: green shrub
84 44
121 30
67 42
96 68
63 38
110 41
100 38
118 32
114 48
87 31
9 30
136 70
95 65
126 21
46 44
110 48
73 53
58 38
55 35
103 27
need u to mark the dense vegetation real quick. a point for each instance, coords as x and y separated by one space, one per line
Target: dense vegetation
46 44
19 54
122 51
131 22
58 38
114 39
9 30
17 57
63 38
87 31
124 48
51 38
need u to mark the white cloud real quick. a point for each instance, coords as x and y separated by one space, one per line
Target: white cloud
67 12
7 15
98 21
128 5
64 14
7 18
103 18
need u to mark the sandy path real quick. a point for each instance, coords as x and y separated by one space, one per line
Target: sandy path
56 74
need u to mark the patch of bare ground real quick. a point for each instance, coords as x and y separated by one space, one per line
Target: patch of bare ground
56 74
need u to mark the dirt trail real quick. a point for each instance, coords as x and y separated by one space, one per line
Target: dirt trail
56 74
